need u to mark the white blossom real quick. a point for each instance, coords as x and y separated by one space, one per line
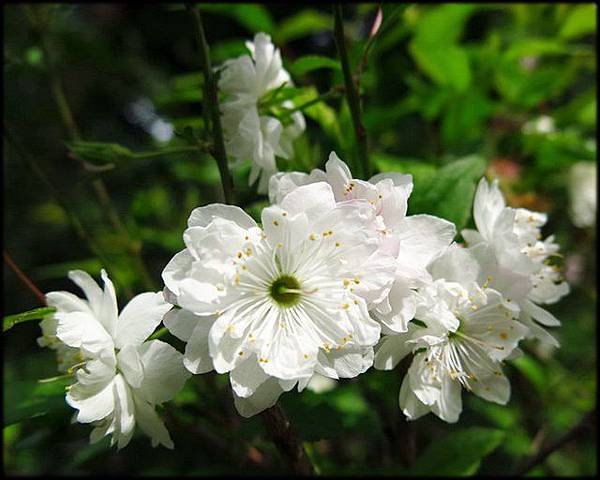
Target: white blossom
462 334
121 378
583 194
251 129
274 305
514 258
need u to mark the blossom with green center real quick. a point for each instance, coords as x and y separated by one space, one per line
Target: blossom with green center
274 305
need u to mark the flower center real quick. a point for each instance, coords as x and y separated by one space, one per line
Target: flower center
285 291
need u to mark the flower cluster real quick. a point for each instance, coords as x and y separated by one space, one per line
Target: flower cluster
258 123
336 278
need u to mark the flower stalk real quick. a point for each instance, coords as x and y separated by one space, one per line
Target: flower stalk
351 95
212 104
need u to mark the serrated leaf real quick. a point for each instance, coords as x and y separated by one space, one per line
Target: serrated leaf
35 314
29 398
458 453
309 63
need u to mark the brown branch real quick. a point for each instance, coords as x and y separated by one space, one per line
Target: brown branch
23 277
529 463
280 430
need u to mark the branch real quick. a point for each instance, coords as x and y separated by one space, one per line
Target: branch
351 94
529 463
279 428
212 102
23 277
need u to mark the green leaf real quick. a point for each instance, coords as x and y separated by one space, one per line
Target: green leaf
449 194
35 314
581 21
442 25
29 398
446 65
256 18
302 24
458 453
321 113
309 63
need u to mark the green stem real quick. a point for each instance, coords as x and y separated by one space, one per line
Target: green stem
69 122
351 94
212 102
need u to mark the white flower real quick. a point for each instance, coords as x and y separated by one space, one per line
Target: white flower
582 191
251 130
462 333
123 377
418 238
514 259
541 125
274 305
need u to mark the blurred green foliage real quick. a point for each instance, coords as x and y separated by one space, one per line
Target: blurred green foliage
449 92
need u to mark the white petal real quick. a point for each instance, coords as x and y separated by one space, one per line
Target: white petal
390 350
247 377
494 388
67 302
82 330
139 318
202 216
124 411
539 314
150 423
164 373
338 174
197 357
456 264
284 231
91 406
409 403
89 286
424 236
177 270
487 206
108 310
266 396
181 323
403 305
449 406
348 362
313 200
130 365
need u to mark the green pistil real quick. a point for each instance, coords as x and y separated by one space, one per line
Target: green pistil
285 291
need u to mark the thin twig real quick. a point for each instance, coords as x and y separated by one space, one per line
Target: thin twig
351 94
23 277
279 428
212 102
529 463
